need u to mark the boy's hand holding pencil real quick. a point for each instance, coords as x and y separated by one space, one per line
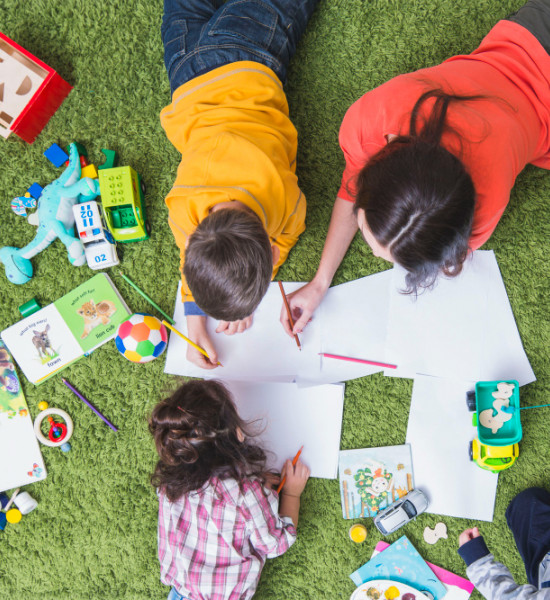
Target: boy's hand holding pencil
196 328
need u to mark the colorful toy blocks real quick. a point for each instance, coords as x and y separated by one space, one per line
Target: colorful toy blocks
30 91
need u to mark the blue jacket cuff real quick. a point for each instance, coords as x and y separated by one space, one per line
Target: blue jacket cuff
192 309
473 550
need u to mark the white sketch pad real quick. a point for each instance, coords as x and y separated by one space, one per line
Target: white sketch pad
290 417
439 432
262 353
463 328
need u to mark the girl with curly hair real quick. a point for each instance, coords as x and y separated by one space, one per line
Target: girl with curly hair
219 516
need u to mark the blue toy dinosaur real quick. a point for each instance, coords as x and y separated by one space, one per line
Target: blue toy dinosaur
56 220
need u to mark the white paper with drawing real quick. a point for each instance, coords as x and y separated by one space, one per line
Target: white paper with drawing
463 327
290 417
439 432
263 352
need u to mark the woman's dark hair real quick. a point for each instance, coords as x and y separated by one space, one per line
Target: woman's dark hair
418 198
196 436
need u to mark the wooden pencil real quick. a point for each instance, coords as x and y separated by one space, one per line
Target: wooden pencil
289 313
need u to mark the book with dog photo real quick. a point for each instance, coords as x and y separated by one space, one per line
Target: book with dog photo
55 336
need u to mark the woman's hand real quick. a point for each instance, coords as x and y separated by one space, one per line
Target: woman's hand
303 303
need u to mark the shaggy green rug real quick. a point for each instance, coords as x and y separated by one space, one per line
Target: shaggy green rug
94 532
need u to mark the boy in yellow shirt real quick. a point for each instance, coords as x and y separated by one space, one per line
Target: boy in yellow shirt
235 208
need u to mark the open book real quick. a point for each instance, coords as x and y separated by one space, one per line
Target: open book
55 336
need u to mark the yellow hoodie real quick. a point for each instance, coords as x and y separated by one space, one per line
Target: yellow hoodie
237 142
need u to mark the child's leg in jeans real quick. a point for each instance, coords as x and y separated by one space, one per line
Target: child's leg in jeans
182 23
528 516
198 38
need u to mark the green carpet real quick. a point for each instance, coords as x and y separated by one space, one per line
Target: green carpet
94 532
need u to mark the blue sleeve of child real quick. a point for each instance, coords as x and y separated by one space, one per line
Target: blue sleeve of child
191 309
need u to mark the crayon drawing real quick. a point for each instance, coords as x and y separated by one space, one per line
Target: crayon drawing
372 478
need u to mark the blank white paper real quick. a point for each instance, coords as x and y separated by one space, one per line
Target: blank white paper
439 432
289 416
264 352
354 318
462 328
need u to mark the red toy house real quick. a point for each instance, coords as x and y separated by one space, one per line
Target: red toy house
30 91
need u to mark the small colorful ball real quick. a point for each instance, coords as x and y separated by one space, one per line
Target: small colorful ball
43 405
66 447
141 338
13 516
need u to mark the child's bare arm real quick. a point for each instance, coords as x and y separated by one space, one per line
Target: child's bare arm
296 478
196 330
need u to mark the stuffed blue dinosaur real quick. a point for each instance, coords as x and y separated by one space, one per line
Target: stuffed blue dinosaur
56 220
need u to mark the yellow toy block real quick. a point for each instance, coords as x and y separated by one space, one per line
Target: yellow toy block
89 171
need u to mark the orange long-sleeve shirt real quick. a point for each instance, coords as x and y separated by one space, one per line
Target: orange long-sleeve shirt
502 132
237 142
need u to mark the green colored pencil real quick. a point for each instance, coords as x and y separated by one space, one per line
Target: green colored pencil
140 291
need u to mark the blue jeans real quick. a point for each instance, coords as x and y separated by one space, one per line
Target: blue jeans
201 35
174 595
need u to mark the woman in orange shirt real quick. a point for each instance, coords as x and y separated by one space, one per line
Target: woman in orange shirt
431 156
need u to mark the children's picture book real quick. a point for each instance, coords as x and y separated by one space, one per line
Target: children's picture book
55 336
20 457
401 562
372 478
458 588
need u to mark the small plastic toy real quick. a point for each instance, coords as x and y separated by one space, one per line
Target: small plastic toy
56 155
400 512
31 91
35 190
122 192
358 533
59 434
498 427
25 503
99 245
141 338
56 220
20 204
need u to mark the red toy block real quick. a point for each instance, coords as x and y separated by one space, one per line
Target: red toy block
30 91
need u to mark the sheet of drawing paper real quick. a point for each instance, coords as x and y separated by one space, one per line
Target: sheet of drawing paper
463 328
262 353
289 416
442 331
21 461
457 587
354 319
439 432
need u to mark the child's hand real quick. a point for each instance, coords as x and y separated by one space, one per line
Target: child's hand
296 478
196 329
231 327
467 535
303 303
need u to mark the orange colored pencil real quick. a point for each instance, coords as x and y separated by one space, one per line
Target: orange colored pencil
285 300
294 461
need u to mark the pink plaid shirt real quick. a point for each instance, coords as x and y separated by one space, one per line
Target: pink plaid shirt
214 542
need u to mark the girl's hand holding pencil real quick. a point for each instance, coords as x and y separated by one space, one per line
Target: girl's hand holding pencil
294 478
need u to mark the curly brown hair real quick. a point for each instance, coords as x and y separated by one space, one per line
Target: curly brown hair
196 434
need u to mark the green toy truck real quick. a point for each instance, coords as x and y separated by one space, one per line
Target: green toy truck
123 205
496 409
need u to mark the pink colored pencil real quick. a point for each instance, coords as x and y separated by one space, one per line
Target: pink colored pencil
359 360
